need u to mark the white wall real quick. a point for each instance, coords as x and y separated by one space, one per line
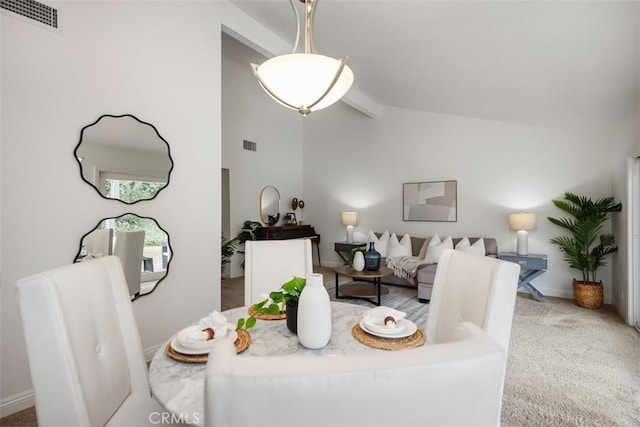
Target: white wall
249 113
159 61
626 145
352 162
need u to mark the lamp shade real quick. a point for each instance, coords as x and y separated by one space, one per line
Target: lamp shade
522 221
349 218
299 80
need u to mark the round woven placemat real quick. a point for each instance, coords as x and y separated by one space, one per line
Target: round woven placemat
415 340
266 316
242 343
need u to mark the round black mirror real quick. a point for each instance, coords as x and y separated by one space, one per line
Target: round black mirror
124 158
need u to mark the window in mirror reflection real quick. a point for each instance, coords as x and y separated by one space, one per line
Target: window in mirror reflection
142 245
128 190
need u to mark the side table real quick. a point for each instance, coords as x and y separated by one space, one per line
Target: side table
362 290
343 247
531 266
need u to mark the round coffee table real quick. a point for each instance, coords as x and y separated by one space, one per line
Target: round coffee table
360 288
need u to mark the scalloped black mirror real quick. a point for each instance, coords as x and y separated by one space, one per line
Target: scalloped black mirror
124 158
142 245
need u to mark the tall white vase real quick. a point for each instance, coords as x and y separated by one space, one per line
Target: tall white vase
314 313
358 261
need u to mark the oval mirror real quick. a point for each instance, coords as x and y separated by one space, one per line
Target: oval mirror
270 205
124 158
142 245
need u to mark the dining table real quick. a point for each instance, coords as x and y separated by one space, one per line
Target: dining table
179 386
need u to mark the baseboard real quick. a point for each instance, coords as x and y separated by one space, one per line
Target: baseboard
150 352
17 402
26 399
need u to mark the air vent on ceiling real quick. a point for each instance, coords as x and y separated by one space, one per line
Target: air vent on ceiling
249 145
34 10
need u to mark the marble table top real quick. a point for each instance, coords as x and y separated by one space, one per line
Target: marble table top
179 387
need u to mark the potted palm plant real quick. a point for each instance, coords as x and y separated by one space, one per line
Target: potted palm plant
587 246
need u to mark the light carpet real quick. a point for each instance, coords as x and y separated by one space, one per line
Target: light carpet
568 366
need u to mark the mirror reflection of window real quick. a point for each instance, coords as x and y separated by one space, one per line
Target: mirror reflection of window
124 158
150 261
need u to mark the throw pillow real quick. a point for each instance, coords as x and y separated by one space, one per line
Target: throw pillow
380 243
435 248
400 248
476 249
423 249
463 244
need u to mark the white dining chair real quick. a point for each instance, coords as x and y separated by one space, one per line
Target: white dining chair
83 347
99 242
129 247
476 289
270 263
456 379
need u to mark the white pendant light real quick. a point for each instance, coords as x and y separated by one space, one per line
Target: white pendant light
306 81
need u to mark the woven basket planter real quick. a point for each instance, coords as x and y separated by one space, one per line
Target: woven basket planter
589 294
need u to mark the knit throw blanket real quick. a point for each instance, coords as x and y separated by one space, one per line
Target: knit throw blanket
406 267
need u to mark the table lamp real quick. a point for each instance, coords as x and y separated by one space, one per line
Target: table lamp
349 219
522 221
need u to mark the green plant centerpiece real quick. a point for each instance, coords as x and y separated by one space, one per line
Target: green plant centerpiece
587 246
278 299
282 303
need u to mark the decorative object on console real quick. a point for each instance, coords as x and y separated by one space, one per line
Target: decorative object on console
372 258
314 313
289 219
587 247
522 222
430 201
349 219
301 206
306 81
130 147
358 260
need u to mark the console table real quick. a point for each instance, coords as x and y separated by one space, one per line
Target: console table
531 266
286 232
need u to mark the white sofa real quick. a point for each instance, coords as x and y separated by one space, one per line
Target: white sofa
454 380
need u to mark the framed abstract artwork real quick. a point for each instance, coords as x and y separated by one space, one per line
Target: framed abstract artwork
430 201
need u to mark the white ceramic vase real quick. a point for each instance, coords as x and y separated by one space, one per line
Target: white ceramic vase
358 261
314 313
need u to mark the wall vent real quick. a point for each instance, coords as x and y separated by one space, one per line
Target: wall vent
249 145
33 10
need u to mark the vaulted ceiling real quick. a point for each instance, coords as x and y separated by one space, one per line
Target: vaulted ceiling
562 64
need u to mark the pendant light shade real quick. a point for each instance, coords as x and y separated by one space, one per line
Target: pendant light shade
306 81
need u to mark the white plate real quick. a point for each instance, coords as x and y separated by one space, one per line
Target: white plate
376 326
406 328
201 346
192 352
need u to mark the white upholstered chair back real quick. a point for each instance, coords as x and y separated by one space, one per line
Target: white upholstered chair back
83 347
471 288
99 242
270 263
129 247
